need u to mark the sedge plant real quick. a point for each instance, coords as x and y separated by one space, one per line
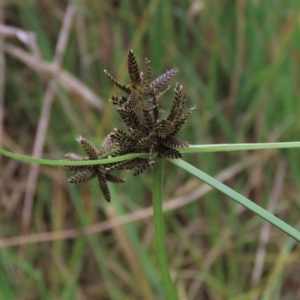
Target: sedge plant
149 141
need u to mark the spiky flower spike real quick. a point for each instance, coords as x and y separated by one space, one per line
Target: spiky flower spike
147 131
150 133
133 70
86 173
154 135
141 85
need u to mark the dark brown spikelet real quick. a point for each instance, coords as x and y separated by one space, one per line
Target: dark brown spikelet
118 101
178 102
88 172
164 128
173 142
107 146
137 134
121 151
145 142
163 79
103 183
169 152
82 176
141 168
127 164
133 102
182 120
121 165
121 86
114 179
121 138
130 118
148 120
88 148
133 69
149 72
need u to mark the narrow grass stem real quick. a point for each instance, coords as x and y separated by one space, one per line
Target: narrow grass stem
190 149
53 162
239 147
238 198
159 228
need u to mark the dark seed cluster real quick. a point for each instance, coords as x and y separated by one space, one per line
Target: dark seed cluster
87 172
148 132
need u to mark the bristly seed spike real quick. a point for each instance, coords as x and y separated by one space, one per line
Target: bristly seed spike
118 84
163 79
133 69
148 131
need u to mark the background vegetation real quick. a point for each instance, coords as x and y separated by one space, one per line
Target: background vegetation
239 63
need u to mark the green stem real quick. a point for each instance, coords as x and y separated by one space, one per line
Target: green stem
239 147
52 162
238 198
159 228
190 149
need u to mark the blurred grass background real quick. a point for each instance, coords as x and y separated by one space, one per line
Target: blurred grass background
239 63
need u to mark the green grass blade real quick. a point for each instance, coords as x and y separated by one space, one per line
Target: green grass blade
7 290
239 147
190 149
159 227
53 162
141 254
239 198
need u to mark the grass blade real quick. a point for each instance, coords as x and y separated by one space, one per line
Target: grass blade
159 227
239 198
239 147
53 162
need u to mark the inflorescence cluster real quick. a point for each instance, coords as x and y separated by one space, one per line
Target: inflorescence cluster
148 132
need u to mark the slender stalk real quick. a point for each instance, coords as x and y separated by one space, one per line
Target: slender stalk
190 149
159 228
239 147
238 198
52 162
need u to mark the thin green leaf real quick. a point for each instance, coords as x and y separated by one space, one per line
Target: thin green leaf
239 198
159 228
53 162
239 147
